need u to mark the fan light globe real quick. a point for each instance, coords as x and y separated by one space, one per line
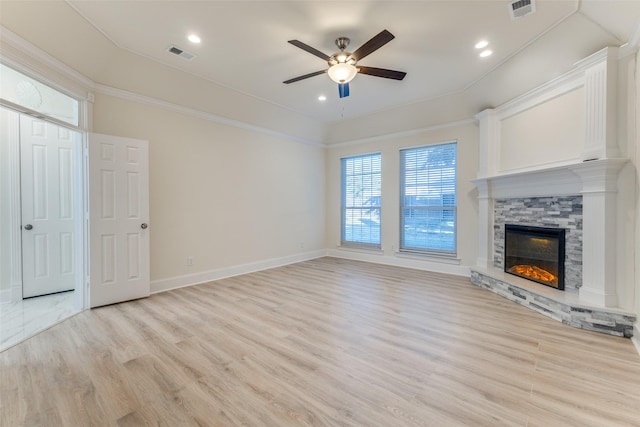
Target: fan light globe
342 73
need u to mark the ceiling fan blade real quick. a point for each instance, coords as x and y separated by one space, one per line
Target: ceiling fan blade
343 90
306 76
382 72
372 45
311 50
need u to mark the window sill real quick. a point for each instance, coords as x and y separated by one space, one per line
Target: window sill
363 250
443 259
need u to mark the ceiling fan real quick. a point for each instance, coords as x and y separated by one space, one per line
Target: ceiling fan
342 65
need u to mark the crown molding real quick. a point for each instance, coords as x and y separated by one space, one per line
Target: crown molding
402 134
632 45
33 61
565 83
8 37
191 112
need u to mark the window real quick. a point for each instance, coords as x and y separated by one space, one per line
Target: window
26 92
428 199
361 179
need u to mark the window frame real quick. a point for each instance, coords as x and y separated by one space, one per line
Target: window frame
80 122
344 207
402 246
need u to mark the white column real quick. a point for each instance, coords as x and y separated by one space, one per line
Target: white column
599 192
485 224
600 88
487 167
488 135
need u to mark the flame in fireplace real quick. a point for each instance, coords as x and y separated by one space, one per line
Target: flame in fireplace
540 241
535 273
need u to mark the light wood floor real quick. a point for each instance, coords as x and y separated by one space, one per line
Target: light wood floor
326 342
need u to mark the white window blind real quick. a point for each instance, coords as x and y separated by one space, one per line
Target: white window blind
428 199
361 185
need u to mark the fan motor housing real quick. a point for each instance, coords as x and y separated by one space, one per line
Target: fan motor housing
341 57
343 42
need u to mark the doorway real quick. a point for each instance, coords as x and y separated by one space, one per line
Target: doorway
41 225
50 178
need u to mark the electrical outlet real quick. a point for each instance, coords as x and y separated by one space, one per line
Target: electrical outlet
190 261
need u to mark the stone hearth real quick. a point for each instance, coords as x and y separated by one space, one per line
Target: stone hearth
559 305
590 301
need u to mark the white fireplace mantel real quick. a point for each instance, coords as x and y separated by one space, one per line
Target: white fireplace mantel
568 179
597 182
593 173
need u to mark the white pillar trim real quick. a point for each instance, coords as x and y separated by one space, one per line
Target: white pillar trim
599 192
485 225
600 86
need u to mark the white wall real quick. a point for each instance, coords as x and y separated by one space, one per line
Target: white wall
466 136
223 195
551 132
142 76
627 241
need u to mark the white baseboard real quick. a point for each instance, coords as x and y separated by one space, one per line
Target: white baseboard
12 294
417 264
635 339
5 296
163 285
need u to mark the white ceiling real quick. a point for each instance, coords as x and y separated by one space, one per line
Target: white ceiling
244 43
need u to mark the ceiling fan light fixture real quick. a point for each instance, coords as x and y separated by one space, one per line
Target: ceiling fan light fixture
342 65
342 72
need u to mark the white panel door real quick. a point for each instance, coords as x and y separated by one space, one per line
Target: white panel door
119 218
48 186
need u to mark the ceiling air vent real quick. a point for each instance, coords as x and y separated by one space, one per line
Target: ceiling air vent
181 53
520 8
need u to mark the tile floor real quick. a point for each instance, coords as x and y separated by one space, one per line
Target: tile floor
23 319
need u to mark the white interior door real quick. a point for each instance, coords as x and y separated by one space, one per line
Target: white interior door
118 217
49 179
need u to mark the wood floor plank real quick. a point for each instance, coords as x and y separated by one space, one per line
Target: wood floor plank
326 342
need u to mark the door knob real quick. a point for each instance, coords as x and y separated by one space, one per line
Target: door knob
144 225
28 227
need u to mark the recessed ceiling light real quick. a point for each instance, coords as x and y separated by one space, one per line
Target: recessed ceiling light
485 53
322 98
482 44
194 39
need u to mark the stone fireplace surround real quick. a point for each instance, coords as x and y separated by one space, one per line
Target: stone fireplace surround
563 212
505 198
590 301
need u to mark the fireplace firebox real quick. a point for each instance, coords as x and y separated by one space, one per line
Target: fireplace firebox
535 253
